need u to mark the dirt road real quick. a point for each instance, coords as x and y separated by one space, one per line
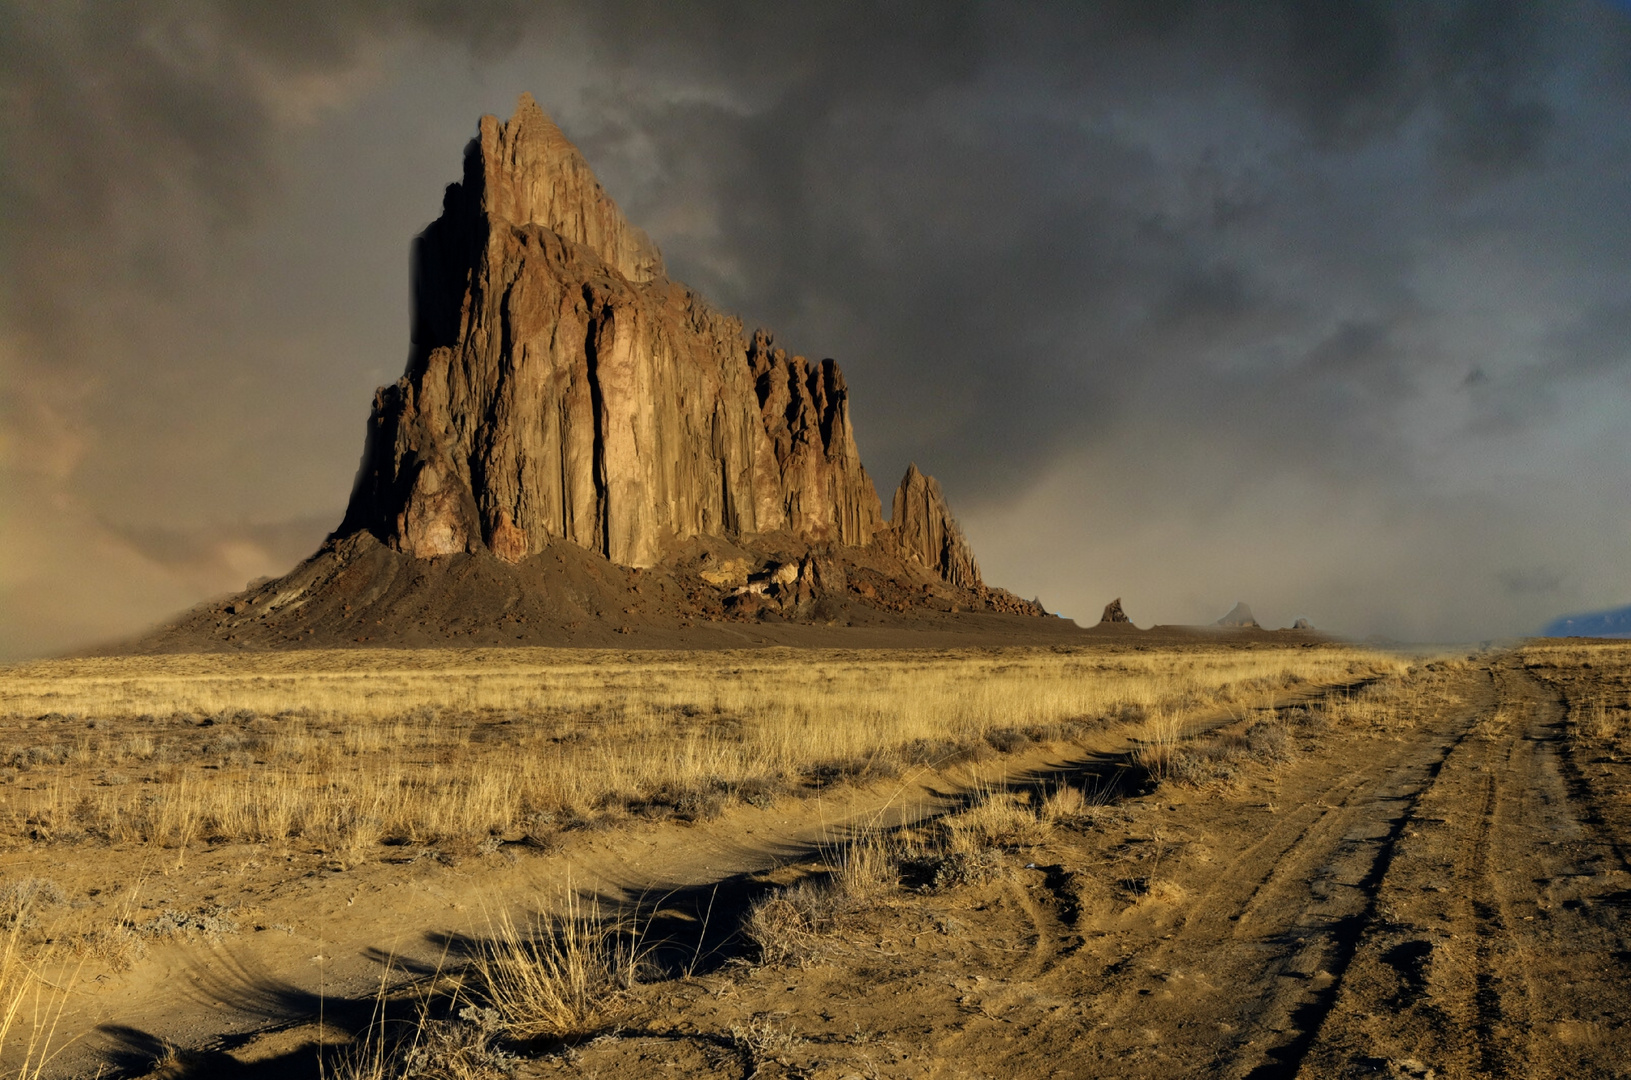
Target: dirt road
1428 879
1441 892
1446 902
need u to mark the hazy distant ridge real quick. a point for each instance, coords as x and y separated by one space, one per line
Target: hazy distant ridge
1613 623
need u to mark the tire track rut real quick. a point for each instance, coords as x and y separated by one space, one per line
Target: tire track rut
1256 953
1464 967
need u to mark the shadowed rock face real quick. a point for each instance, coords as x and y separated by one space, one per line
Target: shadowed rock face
925 532
1113 613
560 386
1239 615
562 395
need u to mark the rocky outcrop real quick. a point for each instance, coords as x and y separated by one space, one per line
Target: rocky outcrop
1113 613
1239 616
925 532
582 449
1302 624
561 387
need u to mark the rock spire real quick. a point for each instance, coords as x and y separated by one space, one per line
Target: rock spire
1113 613
561 387
925 531
1239 616
562 393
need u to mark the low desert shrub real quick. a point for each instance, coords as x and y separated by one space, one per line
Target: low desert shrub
782 926
23 900
997 819
556 977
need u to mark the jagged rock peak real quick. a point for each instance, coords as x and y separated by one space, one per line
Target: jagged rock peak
1239 615
1113 613
1302 624
531 174
560 387
926 532
805 411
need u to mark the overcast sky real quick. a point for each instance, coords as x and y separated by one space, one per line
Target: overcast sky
1322 306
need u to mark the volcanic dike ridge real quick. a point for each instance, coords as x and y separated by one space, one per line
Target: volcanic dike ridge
583 448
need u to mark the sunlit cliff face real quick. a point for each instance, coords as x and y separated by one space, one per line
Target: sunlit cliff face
1321 306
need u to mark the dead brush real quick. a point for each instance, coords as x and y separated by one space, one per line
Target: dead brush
784 927
1596 722
761 1041
966 847
413 1033
996 819
425 1048
1159 745
558 976
31 1005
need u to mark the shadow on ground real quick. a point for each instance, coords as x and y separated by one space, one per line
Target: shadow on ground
684 930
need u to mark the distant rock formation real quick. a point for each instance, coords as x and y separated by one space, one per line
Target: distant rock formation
1113 613
581 447
924 531
1239 616
1302 624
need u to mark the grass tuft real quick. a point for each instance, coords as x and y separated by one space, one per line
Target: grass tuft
558 976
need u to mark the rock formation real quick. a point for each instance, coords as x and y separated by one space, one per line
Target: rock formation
1239 616
925 532
581 448
560 386
1113 613
1302 624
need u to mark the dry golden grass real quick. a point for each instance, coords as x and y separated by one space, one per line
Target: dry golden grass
1595 682
344 750
1160 743
31 1002
556 976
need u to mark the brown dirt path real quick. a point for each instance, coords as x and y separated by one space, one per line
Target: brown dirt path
1438 895
1502 950
1440 891
322 937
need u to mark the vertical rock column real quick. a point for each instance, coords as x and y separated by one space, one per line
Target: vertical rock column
925 531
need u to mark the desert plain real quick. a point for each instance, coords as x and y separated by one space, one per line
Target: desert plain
1225 857
616 729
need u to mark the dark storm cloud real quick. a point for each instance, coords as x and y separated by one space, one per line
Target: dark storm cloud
1597 342
971 207
1262 241
147 110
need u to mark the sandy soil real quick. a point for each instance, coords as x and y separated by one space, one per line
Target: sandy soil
1436 886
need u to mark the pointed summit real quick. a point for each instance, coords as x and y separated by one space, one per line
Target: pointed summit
580 443
531 174
926 532
1239 616
561 387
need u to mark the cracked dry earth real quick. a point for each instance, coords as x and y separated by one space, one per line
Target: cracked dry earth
1440 891
1426 878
